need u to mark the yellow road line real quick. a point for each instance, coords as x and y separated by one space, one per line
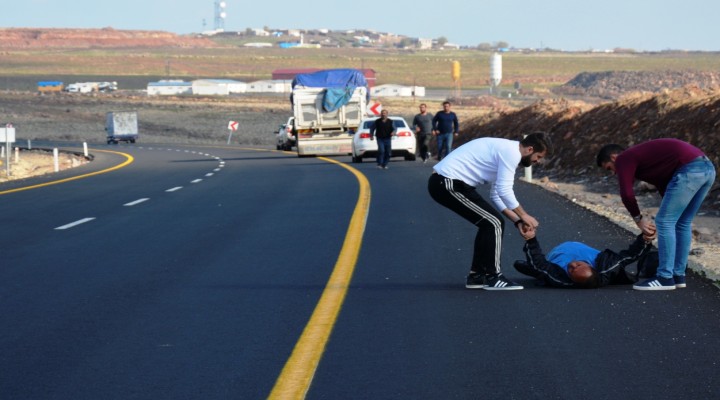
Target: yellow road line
129 159
295 378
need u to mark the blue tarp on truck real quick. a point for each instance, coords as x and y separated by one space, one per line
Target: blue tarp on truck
339 83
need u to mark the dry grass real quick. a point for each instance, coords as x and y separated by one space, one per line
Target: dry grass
431 69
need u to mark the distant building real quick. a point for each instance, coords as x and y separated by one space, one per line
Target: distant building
271 86
425 44
451 46
259 32
390 90
222 87
169 88
258 44
289 73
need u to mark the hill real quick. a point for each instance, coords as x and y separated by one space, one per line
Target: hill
37 38
578 130
613 84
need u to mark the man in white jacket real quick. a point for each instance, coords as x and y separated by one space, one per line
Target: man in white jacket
487 161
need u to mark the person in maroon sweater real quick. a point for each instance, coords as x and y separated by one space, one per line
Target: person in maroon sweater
683 176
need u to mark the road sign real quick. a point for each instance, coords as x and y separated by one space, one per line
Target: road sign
233 125
7 135
375 108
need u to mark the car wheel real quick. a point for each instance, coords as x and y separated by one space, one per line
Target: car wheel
410 157
356 159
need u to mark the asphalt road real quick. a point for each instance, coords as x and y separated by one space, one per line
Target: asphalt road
191 273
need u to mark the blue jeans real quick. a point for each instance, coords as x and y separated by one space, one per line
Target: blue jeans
444 143
684 195
384 151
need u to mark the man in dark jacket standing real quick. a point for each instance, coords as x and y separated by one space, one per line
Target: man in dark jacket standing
423 125
384 129
445 125
577 265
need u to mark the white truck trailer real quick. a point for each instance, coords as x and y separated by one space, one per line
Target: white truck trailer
327 108
121 126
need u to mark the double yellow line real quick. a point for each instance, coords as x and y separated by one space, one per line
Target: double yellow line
295 378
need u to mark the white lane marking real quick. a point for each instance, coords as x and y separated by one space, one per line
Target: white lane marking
196 181
174 189
138 201
76 223
216 170
209 174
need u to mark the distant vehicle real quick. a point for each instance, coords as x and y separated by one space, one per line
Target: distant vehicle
107 86
328 106
50 86
81 88
403 143
121 126
89 87
285 136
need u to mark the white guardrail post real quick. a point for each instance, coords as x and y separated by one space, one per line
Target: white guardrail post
56 162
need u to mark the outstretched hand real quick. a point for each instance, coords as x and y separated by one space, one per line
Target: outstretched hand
526 231
648 228
649 232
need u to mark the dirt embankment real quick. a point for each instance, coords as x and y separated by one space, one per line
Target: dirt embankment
24 38
579 130
615 84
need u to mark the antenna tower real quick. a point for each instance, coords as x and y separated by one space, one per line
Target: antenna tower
220 15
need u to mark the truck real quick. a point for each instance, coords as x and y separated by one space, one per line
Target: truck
121 126
49 86
327 107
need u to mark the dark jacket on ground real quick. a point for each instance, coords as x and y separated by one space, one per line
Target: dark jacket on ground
610 266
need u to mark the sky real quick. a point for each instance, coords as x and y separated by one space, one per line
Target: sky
641 25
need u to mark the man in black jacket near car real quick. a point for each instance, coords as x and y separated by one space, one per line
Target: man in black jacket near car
577 265
384 129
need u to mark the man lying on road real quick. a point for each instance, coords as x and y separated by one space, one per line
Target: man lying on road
577 265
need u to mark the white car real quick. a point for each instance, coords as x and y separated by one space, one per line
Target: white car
285 137
403 143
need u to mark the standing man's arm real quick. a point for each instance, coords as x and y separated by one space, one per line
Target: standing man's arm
456 124
503 196
435 121
625 170
372 130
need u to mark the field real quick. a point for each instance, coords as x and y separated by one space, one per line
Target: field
133 68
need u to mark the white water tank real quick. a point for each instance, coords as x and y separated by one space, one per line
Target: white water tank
495 69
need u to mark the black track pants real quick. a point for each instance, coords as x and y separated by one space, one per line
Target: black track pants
467 202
